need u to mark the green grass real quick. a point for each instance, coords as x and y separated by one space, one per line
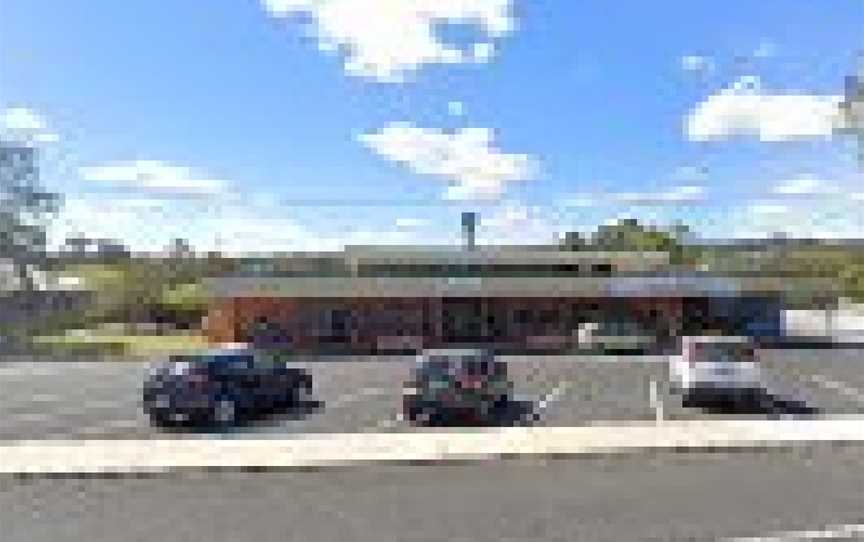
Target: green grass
130 345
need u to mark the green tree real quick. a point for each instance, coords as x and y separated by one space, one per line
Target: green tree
629 235
26 209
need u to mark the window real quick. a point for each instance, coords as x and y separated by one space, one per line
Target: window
602 269
522 316
548 316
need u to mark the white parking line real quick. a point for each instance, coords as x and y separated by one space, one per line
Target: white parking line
553 396
390 423
839 387
45 398
111 427
830 533
32 417
30 369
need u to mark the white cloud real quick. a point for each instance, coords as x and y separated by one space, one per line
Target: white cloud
579 200
385 39
25 125
743 110
680 194
467 157
513 222
697 63
21 118
410 222
369 237
763 209
239 233
149 224
765 49
690 174
456 108
837 220
805 185
100 218
153 175
508 215
245 233
483 52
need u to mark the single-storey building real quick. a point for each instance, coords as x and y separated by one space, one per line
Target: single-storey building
374 299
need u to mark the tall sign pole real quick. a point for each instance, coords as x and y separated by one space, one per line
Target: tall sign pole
469 229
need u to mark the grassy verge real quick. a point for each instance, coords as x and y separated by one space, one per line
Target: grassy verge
120 345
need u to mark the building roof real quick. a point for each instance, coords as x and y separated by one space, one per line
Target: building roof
502 256
449 261
691 285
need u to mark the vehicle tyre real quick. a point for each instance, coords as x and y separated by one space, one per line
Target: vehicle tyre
307 389
225 412
692 399
161 419
417 413
302 393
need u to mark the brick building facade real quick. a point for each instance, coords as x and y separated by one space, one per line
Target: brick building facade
520 300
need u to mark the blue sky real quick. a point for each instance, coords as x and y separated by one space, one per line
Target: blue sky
229 123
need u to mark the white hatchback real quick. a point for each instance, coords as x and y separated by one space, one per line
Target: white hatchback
715 363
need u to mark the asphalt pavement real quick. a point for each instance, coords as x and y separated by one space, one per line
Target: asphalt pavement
661 496
102 399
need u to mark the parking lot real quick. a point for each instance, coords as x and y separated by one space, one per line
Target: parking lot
102 399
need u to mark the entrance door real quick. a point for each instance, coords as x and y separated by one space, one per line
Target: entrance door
341 322
467 321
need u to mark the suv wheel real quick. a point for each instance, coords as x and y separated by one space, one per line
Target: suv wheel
225 412
418 414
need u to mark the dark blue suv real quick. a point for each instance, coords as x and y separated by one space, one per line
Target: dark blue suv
222 388
455 386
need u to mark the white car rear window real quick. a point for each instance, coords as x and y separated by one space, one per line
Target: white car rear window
719 352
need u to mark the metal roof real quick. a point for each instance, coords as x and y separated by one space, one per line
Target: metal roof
491 287
447 261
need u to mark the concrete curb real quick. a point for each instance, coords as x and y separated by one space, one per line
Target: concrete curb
128 456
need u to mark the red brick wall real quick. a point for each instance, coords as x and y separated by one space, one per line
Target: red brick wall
220 322
306 320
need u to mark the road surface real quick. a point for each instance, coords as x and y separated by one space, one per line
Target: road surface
661 496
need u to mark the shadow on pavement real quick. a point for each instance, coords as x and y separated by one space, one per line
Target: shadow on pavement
511 414
296 411
749 402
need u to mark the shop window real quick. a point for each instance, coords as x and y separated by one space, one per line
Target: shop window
522 316
602 269
548 316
